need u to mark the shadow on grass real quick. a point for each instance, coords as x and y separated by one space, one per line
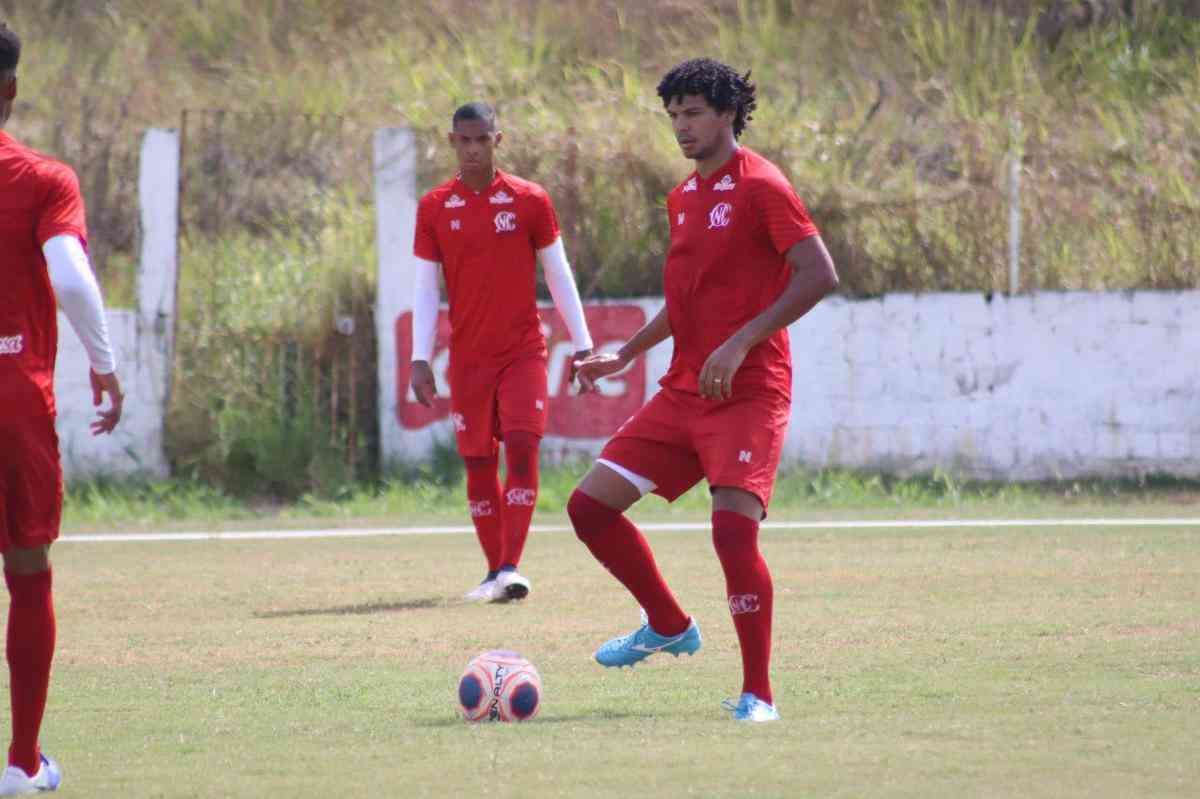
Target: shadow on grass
603 715
362 609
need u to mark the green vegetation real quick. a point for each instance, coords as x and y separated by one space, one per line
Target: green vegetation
896 120
1035 663
435 494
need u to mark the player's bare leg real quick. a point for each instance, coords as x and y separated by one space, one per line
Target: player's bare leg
736 515
597 511
30 649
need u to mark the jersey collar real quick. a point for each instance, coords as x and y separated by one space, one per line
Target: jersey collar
500 179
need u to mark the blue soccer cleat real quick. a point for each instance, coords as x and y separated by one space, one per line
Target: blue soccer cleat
643 642
15 782
751 708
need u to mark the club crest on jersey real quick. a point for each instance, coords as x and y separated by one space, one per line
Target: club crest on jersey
506 222
455 201
12 345
689 186
720 215
725 184
500 198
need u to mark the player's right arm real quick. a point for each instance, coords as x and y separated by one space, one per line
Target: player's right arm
426 299
594 367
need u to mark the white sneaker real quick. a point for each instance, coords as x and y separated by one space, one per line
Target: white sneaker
15 782
511 585
484 592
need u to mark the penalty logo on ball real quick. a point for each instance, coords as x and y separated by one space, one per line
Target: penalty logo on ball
499 685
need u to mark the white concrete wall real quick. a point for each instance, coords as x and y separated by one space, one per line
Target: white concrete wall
142 338
1045 386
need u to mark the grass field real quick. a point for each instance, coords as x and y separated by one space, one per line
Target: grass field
1043 661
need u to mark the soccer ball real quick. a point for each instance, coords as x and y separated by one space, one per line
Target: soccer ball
499 686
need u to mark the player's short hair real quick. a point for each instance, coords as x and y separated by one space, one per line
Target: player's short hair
475 110
10 50
719 84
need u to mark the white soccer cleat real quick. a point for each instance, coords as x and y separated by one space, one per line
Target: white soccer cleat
15 782
484 592
511 585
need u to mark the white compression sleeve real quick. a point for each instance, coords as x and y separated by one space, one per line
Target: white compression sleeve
565 293
426 297
78 295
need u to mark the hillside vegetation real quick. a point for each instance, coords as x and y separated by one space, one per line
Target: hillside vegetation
896 119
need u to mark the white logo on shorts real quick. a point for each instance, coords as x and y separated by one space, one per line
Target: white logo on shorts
506 222
481 508
12 345
743 603
719 215
541 406
460 424
521 496
744 456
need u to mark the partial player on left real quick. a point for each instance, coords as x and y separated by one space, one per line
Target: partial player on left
43 260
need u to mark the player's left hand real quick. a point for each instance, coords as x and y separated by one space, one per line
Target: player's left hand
716 378
110 385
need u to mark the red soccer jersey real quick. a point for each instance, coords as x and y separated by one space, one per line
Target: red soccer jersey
729 237
39 199
487 243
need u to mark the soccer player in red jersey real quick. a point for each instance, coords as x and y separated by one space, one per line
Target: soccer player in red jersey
42 260
486 231
745 262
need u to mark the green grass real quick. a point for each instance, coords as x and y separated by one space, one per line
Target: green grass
1034 663
436 494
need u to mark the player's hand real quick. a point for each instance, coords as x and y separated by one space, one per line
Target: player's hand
110 385
594 367
575 359
424 386
716 378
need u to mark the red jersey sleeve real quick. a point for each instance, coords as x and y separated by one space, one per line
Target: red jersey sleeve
545 222
786 219
425 243
61 212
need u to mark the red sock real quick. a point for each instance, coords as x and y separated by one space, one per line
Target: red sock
30 650
520 492
483 495
751 596
620 546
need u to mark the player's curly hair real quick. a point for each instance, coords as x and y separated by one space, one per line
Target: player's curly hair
720 84
10 49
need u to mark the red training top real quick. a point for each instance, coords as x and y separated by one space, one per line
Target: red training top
39 199
729 237
487 243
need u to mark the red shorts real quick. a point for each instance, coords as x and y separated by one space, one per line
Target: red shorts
488 401
31 484
677 438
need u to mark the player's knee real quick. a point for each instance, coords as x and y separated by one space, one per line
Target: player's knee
735 540
586 514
